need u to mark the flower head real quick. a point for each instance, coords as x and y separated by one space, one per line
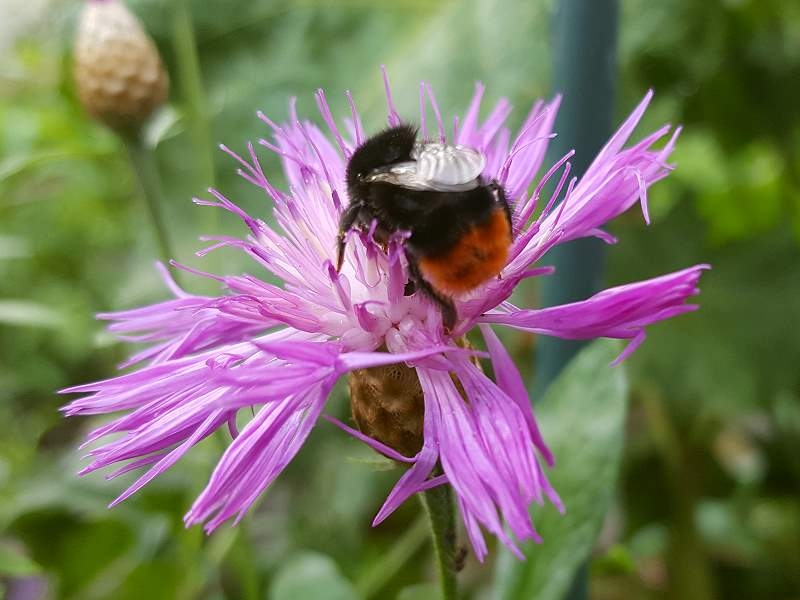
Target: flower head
279 349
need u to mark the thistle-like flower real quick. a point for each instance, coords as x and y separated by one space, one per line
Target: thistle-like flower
279 349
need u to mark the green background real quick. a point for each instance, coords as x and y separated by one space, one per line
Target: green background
706 429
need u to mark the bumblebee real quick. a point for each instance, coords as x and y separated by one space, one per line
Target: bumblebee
460 225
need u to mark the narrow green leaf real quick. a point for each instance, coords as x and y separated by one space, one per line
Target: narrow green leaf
311 575
29 314
582 417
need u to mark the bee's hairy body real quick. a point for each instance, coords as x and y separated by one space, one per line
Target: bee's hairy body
460 227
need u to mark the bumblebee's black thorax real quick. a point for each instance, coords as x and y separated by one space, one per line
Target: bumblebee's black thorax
436 219
386 148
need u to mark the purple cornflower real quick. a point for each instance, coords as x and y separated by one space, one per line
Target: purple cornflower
278 350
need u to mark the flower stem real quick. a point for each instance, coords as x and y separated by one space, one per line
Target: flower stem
438 503
193 94
150 183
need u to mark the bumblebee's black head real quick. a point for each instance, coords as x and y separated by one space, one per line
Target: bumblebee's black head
389 147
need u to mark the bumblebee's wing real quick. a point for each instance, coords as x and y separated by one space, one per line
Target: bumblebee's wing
448 165
436 167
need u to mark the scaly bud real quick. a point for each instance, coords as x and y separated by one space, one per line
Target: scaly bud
119 75
388 404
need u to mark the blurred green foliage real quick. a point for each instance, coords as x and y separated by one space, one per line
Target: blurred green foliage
707 504
586 402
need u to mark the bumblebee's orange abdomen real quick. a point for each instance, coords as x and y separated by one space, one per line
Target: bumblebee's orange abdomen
479 255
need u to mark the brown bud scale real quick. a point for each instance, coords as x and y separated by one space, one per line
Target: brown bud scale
387 405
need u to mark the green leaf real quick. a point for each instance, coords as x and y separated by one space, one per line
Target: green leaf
15 564
29 314
617 560
12 246
311 575
582 417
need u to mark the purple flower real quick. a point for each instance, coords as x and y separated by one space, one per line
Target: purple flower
279 349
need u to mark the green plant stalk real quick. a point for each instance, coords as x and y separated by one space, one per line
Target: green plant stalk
438 503
690 574
240 554
190 546
392 561
144 167
243 562
193 93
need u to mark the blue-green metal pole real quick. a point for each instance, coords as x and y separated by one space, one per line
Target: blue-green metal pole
584 70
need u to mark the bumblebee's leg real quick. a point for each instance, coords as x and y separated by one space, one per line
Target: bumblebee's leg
499 195
460 558
346 222
449 314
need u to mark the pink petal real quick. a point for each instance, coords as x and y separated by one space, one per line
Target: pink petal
619 312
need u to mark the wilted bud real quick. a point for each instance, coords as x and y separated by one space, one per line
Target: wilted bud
119 74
